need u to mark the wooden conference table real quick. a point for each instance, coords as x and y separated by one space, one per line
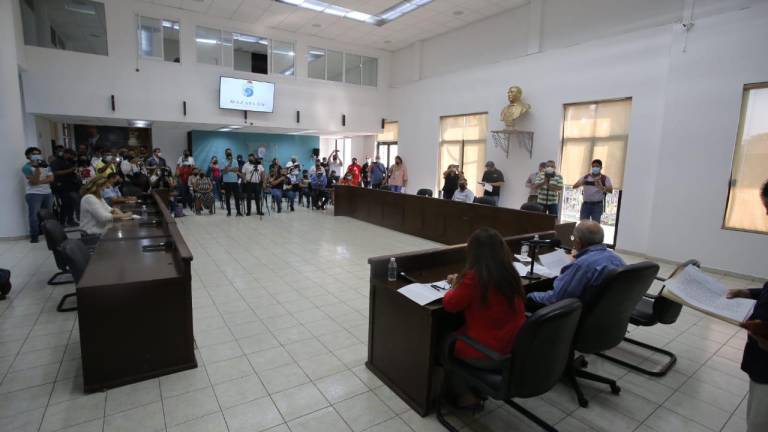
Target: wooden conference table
443 221
404 339
135 305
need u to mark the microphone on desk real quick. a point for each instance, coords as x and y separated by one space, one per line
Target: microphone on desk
157 247
542 242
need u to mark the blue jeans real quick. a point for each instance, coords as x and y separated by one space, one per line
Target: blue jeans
217 190
34 203
551 209
591 210
277 198
291 195
395 188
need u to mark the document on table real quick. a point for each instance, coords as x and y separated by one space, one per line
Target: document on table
556 260
425 293
694 288
539 269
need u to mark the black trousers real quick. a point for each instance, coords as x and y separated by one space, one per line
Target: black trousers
69 204
231 188
319 198
252 191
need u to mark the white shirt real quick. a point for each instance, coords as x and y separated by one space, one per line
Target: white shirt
128 168
336 166
252 173
467 196
190 161
95 215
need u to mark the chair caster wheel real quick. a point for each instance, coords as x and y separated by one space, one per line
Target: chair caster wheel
615 389
583 403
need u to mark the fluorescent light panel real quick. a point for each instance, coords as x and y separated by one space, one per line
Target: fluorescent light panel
384 17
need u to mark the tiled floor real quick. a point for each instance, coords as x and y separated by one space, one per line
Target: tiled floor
281 322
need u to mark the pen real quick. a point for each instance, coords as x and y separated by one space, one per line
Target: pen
437 287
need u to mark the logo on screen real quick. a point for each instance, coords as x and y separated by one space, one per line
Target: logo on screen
248 88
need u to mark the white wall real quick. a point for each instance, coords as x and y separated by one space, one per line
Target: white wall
685 111
68 83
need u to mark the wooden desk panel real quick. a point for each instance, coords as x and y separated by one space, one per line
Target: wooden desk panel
435 219
404 339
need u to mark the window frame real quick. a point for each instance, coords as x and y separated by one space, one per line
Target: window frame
475 189
739 139
162 38
344 56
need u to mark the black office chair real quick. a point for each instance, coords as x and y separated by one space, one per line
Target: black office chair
425 192
54 236
651 310
533 207
531 369
75 254
604 322
485 201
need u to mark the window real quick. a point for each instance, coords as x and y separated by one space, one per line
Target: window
386 147
316 63
68 25
462 142
209 46
595 130
159 39
353 69
745 210
283 58
335 62
251 53
370 71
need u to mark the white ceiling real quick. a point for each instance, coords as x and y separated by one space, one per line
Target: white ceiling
431 20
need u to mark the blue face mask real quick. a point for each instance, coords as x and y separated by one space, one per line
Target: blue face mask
36 157
595 170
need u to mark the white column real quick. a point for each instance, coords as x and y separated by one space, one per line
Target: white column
14 210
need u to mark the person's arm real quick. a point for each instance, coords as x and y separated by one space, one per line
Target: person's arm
579 182
102 168
568 285
557 183
405 176
539 182
748 293
608 185
64 171
460 296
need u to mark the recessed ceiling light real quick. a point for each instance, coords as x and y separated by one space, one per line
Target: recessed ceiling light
390 14
139 123
458 13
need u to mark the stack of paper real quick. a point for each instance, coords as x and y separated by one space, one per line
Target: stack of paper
425 293
556 260
693 288
523 269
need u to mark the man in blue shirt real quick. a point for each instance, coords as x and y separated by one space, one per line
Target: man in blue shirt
377 171
592 262
317 182
229 178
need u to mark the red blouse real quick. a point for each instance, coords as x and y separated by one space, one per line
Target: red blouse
494 324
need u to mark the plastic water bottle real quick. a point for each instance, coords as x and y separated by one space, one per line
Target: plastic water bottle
535 237
524 250
392 270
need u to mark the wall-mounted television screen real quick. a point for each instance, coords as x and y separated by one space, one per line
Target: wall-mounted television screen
246 95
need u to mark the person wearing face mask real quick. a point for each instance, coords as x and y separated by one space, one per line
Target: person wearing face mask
97 215
185 167
186 159
111 191
364 172
253 179
130 164
229 177
494 178
398 176
38 188
203 191
530 182
336 164
106 165
67 183
451 181
463 194
592 262
548 185
356 170
377 172
595 186
214 173
155 161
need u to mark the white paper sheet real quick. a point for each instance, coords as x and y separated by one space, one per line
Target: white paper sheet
523 259
488 187
693 286
556 260
424 293
539 269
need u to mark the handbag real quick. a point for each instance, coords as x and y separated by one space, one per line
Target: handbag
5 283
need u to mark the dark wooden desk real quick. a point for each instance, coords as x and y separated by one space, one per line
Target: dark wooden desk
443 221
404 338
135 306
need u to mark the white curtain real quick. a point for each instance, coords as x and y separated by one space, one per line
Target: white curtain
462 142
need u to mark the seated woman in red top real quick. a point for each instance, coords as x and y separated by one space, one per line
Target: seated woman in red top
491 296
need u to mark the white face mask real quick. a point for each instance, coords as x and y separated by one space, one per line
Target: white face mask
549 170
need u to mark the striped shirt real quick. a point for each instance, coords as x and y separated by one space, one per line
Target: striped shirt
547 194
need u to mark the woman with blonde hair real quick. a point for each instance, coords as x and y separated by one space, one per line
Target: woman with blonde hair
95 214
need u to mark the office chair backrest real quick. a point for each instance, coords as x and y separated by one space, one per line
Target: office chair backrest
665 310
533 207
76 256
424 192
54 237
608 308
543 348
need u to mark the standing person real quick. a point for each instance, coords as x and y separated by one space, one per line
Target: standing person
38 188
451 181
291 186
463 194
336 164
185 167
364 172
130 164
755 359
548 186
186 159
318 181
106 165
229 182
68 184
533 195
495 179
356 170
253 178
277 183
155 161
377 172
304 191
596 186
398 176
489 293
214 173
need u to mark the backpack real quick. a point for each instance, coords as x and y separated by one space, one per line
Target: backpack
5 283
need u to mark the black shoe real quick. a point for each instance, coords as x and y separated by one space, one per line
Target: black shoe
239 214
260 214
247 214
229 214
292 209
34 240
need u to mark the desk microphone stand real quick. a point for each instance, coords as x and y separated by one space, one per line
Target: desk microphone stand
531 275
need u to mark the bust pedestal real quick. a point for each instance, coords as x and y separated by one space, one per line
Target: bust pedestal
503 139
